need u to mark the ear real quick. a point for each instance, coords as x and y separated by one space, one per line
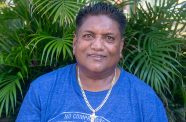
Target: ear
74 43
121 47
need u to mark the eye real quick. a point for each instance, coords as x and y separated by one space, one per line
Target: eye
88 36
109 39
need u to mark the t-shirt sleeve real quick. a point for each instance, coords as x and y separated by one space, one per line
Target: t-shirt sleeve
30 110
159 114
154 110
151 107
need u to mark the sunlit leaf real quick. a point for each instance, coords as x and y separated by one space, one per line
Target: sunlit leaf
62 11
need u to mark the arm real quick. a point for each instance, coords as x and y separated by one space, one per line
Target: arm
30 110
154 110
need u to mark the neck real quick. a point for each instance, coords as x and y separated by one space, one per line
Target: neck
97 81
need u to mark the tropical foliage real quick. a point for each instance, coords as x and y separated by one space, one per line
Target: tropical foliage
36 37
153 51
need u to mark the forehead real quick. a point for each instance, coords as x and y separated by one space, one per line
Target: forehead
99 23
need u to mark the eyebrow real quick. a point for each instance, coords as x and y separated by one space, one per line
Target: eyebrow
109 34
88 32
103 34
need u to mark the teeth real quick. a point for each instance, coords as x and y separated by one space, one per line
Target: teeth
99 56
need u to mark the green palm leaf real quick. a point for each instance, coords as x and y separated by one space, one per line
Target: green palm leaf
62 11
8 89
54 48
154 61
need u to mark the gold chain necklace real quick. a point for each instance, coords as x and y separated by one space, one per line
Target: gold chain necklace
93 115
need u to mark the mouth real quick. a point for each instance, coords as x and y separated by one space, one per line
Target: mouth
97 57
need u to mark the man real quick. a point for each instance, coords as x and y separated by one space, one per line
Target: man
94 89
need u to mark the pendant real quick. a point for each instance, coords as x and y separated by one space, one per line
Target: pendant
92 117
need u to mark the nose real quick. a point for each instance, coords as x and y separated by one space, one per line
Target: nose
97 44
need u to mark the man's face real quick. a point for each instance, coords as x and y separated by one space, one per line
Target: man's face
98 44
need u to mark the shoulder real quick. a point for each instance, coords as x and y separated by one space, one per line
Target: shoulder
136 84
149 103
46 81
139 90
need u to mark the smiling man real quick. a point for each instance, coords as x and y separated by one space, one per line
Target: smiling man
97 47
94 89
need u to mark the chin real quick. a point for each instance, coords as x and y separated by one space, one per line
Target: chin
94 67
97 71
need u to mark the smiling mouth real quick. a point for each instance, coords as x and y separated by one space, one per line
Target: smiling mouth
97 57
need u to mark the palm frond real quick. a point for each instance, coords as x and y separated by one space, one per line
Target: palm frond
8 89
61 11
153 60
54 48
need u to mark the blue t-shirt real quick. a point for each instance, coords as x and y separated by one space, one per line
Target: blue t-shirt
56 97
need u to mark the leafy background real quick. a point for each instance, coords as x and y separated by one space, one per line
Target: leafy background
36 37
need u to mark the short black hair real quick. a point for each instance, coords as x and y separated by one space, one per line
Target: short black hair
102 8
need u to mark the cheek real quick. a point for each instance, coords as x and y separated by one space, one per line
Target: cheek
80 48
114 51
